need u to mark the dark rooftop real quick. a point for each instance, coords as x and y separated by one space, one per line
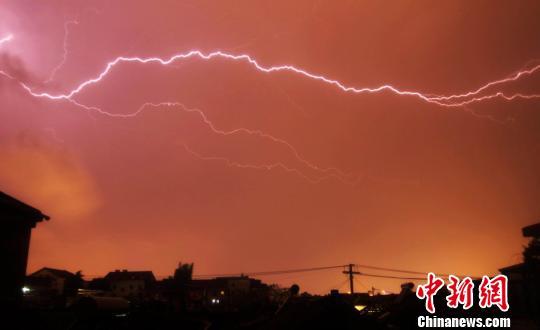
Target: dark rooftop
123 275
219 282
56 272
13 209
532 230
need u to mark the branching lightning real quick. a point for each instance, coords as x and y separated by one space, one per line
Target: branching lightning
511 78
450 101
439 100
268 167
325 172
332 171
64 54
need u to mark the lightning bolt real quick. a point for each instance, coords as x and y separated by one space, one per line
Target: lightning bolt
279 165
335 172
268 167
497 95
437 100
440 100
455 100
326 172
508 79
64 54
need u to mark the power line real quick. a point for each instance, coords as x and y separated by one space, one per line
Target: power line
350 272
272 272
312 269
393 277
410 271
338 285
300 270
392 269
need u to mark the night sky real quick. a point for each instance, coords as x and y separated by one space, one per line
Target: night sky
246 170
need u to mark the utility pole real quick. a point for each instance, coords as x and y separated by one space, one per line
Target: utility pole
351 274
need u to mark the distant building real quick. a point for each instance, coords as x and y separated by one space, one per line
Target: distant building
226 292
17 221
130 284
524 278
51 280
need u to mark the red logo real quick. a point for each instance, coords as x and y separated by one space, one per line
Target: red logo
491 292
461 292
429 290
494 292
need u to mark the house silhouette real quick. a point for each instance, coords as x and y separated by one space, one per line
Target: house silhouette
17 220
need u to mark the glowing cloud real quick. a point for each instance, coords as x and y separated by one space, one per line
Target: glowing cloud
6 39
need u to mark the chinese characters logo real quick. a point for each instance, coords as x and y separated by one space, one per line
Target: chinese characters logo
491 292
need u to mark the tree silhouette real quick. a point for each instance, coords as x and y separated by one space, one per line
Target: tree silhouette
176 287
73 283
184 273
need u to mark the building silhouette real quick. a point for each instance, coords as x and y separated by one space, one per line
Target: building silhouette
524 278
17 220
130 284
56 280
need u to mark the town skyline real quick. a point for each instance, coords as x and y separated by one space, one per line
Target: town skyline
281 136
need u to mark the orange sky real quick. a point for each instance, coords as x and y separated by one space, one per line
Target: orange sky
439 189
